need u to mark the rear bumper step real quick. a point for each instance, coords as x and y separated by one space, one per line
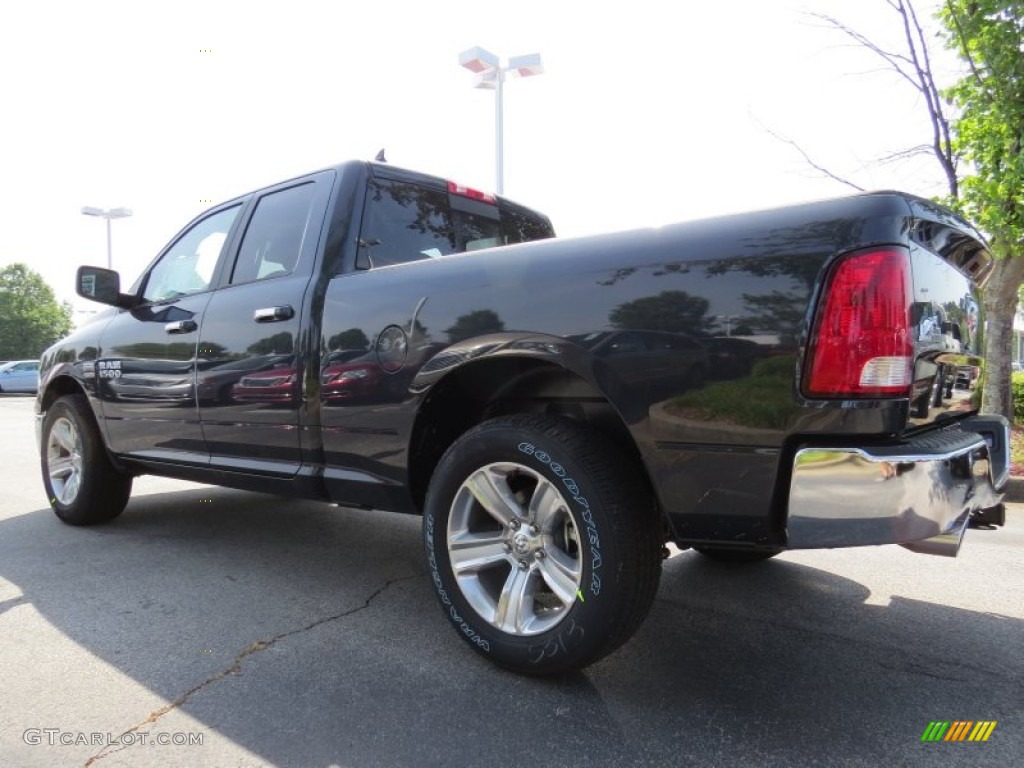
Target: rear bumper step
920 493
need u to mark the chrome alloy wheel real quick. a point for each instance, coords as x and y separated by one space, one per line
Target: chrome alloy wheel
514 548
64 460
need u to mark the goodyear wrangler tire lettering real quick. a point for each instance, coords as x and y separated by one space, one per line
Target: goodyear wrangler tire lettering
442 594
524 517
588 518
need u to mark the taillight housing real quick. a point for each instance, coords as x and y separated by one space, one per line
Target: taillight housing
861 346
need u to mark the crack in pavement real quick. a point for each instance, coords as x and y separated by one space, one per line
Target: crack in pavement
234 669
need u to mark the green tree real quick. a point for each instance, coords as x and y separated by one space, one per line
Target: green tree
353 338
989 134
31 319
673 311
475 323
776 312
278 344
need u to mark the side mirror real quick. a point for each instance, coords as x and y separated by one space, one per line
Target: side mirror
102 285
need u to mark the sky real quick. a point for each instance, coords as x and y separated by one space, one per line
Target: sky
648 112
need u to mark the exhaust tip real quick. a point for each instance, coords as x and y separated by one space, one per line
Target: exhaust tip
945 544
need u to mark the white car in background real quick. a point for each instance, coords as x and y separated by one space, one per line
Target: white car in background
19 376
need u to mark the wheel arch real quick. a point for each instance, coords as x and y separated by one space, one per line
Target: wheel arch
525 379
57 387
62 385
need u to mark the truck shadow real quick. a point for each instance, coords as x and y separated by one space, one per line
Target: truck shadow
344 657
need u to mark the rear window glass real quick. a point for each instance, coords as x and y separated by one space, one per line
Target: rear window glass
519 226
405 222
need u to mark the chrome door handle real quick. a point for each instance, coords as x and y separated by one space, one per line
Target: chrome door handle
181 326
273 314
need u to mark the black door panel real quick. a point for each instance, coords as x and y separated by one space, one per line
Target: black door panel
250 368
146 366
249 378
146 383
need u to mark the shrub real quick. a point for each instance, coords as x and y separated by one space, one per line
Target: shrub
1017 392
774 367
764 399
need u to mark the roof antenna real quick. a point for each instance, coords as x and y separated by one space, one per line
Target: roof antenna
380 157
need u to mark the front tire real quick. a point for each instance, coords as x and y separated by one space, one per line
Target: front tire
83 487
542 542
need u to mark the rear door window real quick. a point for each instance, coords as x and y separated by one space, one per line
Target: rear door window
275 234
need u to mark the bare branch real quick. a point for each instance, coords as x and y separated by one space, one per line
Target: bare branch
905 154
914 65
807 158
918 48
895 61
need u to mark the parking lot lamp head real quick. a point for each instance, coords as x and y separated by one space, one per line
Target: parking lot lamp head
491 76
108 214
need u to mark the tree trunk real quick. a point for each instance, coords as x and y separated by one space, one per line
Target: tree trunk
999 300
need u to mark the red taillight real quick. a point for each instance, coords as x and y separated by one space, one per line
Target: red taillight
861 345
472 194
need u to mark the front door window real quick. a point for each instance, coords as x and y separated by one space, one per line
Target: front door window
188 265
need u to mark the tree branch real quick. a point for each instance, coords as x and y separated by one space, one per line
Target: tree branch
906 154
807 158
892 59
915 67
918 47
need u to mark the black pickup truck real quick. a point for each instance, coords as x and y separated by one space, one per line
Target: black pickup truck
557 410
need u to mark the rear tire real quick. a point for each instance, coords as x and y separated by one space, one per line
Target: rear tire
543 543
83 486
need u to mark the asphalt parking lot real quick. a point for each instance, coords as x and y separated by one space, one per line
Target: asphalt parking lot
282 633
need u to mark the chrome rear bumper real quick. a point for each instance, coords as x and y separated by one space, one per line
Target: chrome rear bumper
919 493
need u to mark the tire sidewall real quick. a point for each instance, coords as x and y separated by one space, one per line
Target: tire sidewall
584 626
94 502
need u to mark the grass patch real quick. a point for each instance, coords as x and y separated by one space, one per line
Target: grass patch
764 399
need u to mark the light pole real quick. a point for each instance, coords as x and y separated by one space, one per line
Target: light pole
491 75
108 214
728 322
